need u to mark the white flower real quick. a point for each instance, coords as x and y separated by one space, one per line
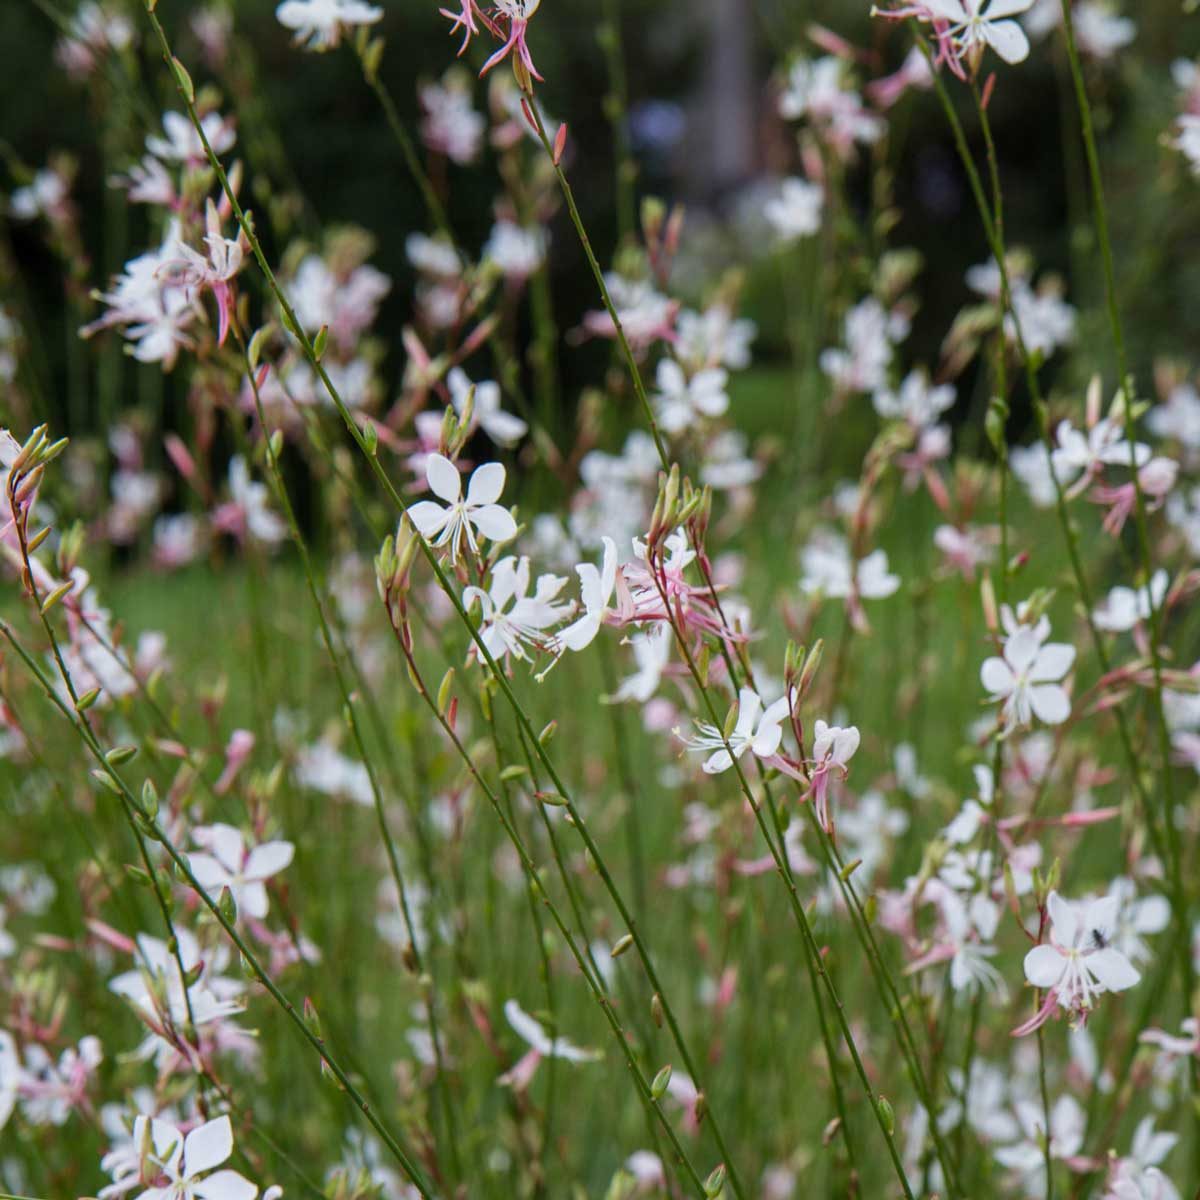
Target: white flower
595 590
1028 1157
250 500
796 211
1124 607
714 338
228 864
757 729
1137 1176
325 769
1078 453
681 401
181 1168
10 1074
918 401
503 428
512 619
540 1044
830 570
651 651
182 143
1026 678
834 746
463 517
517 251
974 24
319 24
1078 961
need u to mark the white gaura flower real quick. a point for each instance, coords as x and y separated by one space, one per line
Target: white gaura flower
1027 677
758 730
974 24
319 24
596 586
918 401
829 569
182 143
796 211
1124 607
513 619
503 428
228 864
1137 1177
463 517
1078 961
181 1168
1085 454
651 651
10 1073
681 401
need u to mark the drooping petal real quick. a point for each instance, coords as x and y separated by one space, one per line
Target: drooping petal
720 760
1044 966
486 484
444 479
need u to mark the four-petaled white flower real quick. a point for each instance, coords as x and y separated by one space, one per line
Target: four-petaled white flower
503 428
512 619
682 401
477 512
181 1168
1078 962
973 25
758 730
796 211
319 24
1124 607
228 864
1027 677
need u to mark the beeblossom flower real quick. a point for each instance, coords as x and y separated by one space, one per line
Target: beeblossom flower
1125 607
320 24
1027 676
541 1045
795 212
758 730
477 513
965 28
179 1167
503 428
833 748
1078 962
228 863
513 619
681 401
181 143
596 585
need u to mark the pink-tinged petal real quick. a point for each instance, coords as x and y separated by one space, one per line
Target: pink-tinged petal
520 1074
268 859
208 872
1049 703
224 1185
486 484
1064 919
428 518
1008 40
207 1146
495 522
444 479
1113 969
1052 663
996 675
1044 966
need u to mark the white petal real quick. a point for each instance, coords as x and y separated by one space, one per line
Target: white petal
207 1146
225 1185
996 676
1008 40
444 479
428 518
1113 969
494 521
718 762
1052 663
1044 966
208 872
486 484
1049 703
1064 919
268 859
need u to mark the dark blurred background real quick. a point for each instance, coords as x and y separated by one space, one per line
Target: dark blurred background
702 76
